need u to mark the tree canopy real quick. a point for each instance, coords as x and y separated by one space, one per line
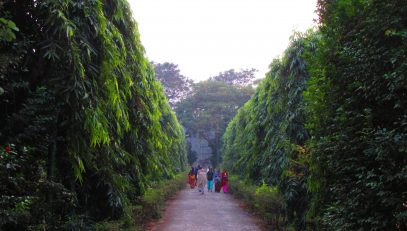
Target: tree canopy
208 110
176 86
244 77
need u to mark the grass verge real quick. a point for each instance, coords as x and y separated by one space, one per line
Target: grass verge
265 201
149 207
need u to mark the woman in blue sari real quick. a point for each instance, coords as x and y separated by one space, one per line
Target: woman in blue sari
209 177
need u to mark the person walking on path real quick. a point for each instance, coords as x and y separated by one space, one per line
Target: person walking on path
196 172
202 180
209 177
225 179
189 211
218 182
191 178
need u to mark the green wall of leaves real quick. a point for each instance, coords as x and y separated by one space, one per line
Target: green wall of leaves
89 127
327 125
266 139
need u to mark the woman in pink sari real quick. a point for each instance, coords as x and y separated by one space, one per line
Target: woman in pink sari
225 179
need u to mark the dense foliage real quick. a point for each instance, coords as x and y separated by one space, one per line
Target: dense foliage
358 115
84 125
266 139
149 207
332 113
266 201
209 109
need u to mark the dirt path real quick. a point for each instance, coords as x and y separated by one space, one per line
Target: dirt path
209 212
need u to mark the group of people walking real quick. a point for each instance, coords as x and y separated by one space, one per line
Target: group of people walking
202 176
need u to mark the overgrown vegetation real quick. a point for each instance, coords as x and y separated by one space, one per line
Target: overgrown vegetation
149 208
328 125
85 128
266 139
358 116
266 201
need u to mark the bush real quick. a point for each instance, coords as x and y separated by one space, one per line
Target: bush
149 206
270 203
266 201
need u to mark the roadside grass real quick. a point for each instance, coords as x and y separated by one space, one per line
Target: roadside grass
265 201
149 207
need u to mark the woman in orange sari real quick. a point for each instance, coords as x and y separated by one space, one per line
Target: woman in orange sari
225 179
191 178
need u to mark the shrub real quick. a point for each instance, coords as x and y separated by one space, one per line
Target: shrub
148 207
266 201
270 202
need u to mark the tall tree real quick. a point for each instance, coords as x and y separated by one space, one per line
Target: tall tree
176 86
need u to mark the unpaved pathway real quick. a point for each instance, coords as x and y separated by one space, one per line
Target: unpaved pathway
190 210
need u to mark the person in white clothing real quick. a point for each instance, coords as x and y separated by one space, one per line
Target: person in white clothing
201 180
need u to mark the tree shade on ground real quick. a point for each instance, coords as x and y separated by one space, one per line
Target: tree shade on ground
86 126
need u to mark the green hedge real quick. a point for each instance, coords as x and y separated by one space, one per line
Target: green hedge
148 208
266 201
85 126
266 140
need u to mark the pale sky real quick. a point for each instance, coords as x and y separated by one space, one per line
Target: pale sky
205 37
